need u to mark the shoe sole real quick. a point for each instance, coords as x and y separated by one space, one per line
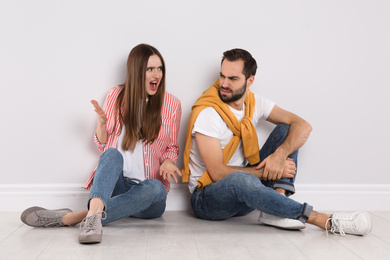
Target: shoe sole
93 239
265 221
289 227
28 211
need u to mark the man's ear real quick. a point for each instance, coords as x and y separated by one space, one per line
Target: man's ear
250 81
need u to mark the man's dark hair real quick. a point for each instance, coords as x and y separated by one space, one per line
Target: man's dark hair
250 65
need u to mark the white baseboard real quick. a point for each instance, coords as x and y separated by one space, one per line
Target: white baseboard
346 197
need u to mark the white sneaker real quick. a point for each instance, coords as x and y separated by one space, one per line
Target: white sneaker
280 222
356 223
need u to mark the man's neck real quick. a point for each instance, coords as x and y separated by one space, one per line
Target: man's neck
237 105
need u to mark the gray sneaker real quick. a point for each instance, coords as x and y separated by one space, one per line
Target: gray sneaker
91 229
41 217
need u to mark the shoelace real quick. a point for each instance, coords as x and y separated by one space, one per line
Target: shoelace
49 222
89 223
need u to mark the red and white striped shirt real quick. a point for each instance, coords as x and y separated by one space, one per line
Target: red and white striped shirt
165 146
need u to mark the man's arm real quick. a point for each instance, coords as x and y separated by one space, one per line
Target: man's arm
299 131
212 156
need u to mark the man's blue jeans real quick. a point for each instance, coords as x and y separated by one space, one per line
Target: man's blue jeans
123 197
240 192
275 139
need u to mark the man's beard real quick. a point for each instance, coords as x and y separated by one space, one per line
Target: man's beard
236 95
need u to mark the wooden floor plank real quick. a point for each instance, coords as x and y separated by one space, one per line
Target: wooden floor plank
179 235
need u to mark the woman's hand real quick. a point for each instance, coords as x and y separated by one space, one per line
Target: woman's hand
101 131
102 118
168 170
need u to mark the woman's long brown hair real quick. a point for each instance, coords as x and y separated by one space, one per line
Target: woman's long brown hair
136 110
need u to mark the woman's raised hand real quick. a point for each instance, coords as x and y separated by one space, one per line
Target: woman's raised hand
102 118
101 131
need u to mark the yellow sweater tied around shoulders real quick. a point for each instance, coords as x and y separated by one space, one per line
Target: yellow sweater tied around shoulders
241 130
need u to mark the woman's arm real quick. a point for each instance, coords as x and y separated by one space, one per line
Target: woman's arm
168 167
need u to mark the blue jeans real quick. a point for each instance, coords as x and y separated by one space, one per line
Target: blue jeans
123 197
240 192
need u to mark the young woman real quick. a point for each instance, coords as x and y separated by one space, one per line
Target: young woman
137 133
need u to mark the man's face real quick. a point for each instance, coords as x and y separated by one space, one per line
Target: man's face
232 82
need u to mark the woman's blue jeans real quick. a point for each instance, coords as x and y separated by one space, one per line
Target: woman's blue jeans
240 192
123 197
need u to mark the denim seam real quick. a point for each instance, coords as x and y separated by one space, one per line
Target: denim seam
288 187
306 210
283 182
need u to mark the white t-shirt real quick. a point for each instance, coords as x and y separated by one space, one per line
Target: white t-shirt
133 162
210 123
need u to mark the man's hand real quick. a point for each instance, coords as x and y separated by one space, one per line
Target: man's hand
290 169
168 170
276 167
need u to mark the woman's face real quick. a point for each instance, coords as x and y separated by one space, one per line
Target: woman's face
154 73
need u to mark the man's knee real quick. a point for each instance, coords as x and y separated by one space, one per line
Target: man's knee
245 181
282 129
279 134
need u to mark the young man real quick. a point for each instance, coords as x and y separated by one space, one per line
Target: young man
227 174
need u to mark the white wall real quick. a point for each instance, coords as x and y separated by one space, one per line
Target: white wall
327 61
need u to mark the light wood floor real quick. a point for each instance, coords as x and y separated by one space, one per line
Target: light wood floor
179 235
